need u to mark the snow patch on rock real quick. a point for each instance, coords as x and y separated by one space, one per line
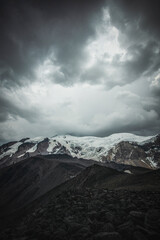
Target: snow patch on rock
12 150
152 163
128 171
32 149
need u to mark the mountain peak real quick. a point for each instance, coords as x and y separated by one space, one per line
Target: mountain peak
125 148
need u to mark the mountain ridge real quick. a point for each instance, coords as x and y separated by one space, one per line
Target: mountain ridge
122 148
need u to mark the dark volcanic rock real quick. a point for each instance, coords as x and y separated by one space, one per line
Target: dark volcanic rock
138 235
137 216
107 236
73 214
83 207
108 227
126 229
152 219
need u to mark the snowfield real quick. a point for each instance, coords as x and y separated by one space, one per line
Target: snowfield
93 147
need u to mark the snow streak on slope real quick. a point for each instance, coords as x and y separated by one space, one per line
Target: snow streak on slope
36 141
12 150
33 149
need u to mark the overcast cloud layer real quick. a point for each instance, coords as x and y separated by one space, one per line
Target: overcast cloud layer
79 67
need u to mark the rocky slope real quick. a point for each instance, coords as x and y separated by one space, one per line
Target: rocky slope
92 214
100 203
25 181
120 148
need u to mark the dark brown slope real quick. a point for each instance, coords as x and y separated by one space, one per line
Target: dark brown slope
97 176
101 177
23 182
29 179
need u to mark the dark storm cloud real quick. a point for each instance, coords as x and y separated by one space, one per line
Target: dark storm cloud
30 30
145 58
138 23
144 61
11 110
57 36
145 13
33 30
144 129
139 35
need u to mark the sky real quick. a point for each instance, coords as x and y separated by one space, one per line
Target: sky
84 67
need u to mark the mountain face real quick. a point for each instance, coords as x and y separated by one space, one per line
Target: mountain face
27 180
122 148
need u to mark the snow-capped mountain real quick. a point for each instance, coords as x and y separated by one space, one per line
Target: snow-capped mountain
123 148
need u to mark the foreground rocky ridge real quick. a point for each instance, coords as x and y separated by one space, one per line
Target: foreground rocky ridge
93 214
29 179
119 148
98 203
